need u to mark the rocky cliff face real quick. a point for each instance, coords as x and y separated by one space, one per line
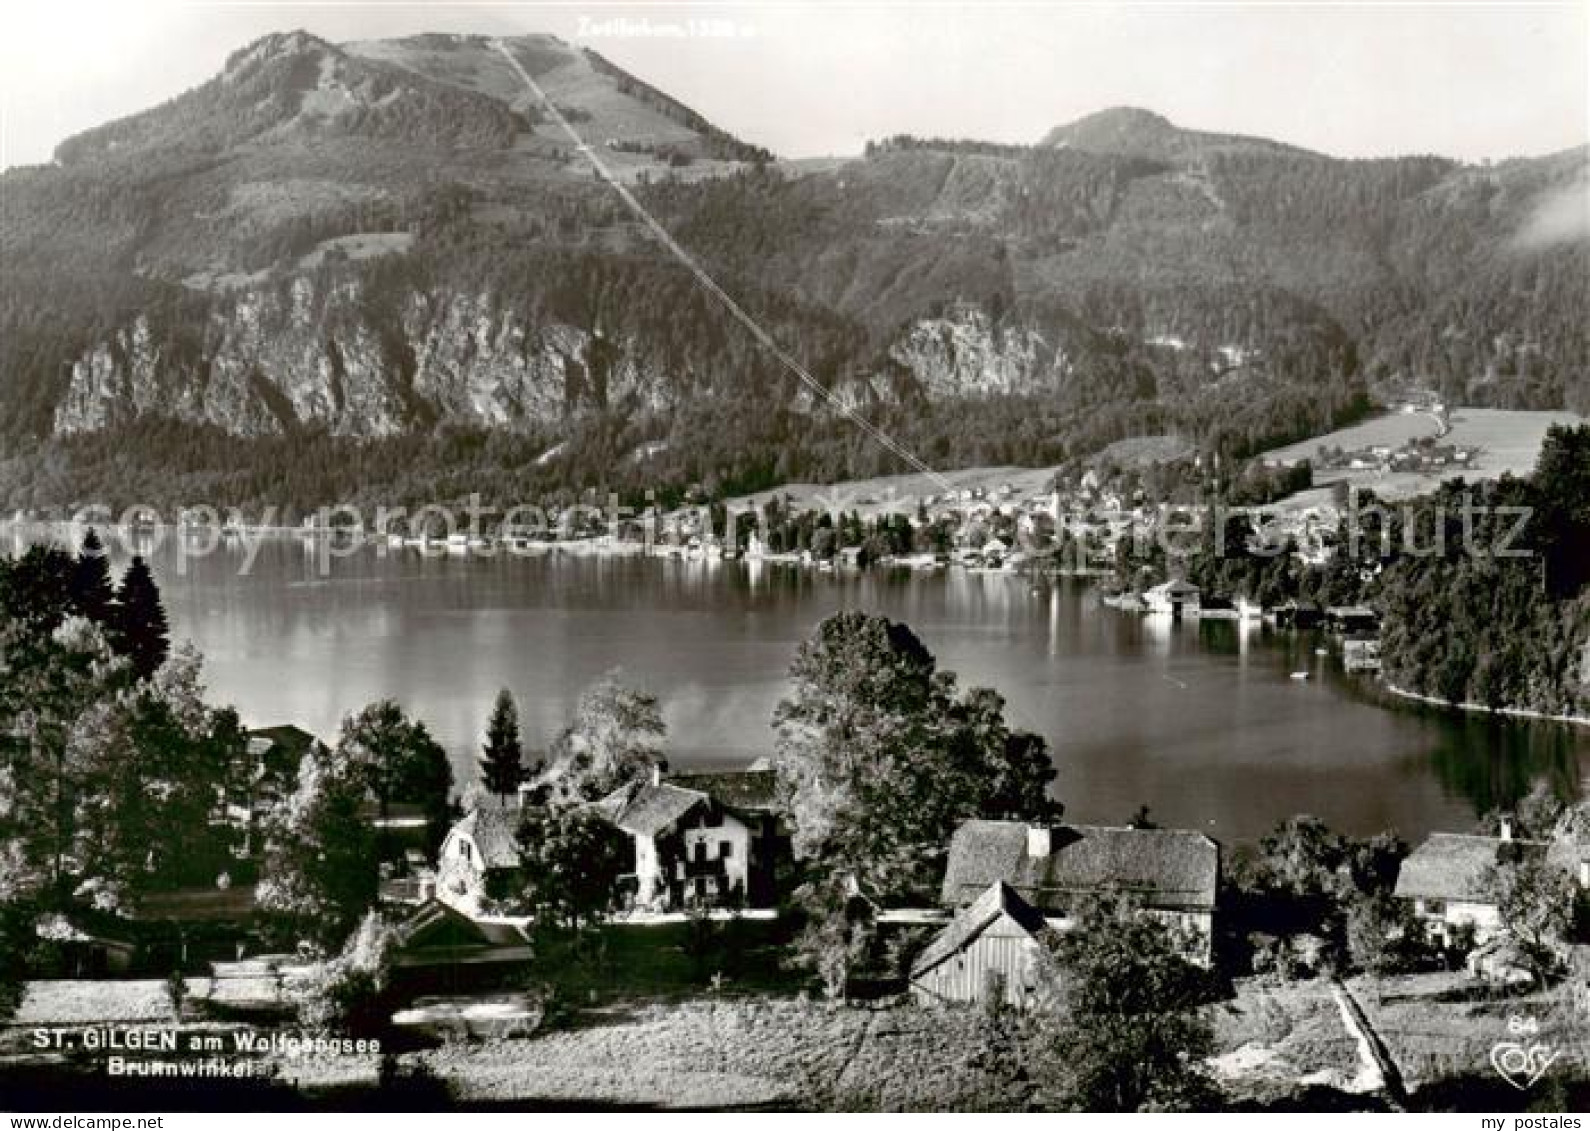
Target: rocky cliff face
964 354
298 353
274 358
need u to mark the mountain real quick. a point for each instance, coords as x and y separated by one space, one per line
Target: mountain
388 254
611 105
1128 131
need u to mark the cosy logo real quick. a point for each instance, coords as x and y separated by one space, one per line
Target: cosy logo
1521 1064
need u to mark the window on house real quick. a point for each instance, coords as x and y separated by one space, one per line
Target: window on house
463 849
725 849
701 851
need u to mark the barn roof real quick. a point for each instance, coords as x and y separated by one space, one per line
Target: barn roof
975 918
434 924
1454 866
438 937
1171 868
753 790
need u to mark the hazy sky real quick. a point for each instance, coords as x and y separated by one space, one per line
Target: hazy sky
1466 80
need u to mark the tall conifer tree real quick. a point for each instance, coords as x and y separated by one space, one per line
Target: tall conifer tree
138 622
502 763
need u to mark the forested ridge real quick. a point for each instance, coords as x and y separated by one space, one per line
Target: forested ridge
1487 600
983 303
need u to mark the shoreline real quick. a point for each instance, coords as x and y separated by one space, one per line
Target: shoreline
586 546
1480 709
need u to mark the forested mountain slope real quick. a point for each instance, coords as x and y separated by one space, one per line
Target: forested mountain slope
385 242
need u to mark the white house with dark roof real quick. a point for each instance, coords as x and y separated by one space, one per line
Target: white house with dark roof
479 861
699 837
1172 874
1448 879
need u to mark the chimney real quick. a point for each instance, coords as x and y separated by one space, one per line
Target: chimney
656 773
1039 841
1584 875
1507 829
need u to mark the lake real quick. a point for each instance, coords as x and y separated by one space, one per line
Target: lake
1198 720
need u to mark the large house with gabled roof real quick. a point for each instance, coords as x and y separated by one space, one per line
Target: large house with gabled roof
709 838
1449 879
1171 874
706 838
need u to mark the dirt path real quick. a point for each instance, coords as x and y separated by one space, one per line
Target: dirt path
1374 1050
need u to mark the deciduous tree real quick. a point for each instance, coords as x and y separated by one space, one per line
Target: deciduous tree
1123 1011
398 762
879 757
320 870
1537 902
573 858
615 736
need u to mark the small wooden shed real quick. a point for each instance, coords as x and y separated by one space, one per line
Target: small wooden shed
990 947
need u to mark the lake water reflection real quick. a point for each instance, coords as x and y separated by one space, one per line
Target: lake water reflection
1197 720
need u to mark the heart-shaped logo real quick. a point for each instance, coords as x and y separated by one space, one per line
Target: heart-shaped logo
1521 1066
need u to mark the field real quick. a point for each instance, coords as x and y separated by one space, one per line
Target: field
759 1050
93 1002
898 494
1138 451
705 1053
1392 429
1276 1045
1436 1027
360 245
1507 442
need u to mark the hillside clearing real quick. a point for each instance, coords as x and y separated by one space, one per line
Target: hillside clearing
898 494
1506 442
